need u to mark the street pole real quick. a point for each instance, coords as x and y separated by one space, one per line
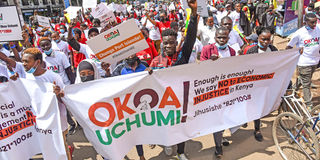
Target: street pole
300 13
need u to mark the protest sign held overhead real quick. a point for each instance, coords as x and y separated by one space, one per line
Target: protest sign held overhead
43 21
120 112
103 14
118 42
202 7
89 4
10 26
27 128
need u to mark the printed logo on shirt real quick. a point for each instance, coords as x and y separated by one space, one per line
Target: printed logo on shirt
311 42
1 16
145 57
54 68
112 35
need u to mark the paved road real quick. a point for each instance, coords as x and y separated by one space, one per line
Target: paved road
243 145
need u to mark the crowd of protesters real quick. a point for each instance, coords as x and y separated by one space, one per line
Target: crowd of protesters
59 54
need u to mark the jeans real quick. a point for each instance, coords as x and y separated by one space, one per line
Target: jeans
304 79
218 138
139 150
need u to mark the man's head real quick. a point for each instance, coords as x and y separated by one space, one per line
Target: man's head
310 20
31 59
222 36
45 45
174 26
83 26
210 22
132 61
264 36
227 23
96 22
237 7
145 32
163 17
55 37
169 42
63 28
77 33
93 32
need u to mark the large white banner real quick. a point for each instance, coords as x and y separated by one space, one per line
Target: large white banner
118 42
30 121
10 26
179 103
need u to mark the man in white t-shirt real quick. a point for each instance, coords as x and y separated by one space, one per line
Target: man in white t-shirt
13 67
235 16
154 33
4 77
59 45
207 32
56 61
32 63
307 37
235 40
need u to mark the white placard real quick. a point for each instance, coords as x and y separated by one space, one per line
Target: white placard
89 3
118 42
104 14
202 7
43 21
10 26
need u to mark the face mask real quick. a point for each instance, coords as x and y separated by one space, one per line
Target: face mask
260 46
309 28
12 72
87 78
57 41
32 70
162 19
62 30
48 52
222 47
209 27
249 5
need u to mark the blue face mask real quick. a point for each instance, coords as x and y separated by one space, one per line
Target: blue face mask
32 70
12 72
57 41
309 28
62 30
221 47
48 52
260 46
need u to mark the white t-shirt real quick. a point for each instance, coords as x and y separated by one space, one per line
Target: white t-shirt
262 51
86 50
220 15
197 47
5 51
154 33
206 35
18 69
235 16
234 37
51 77
58 62
62 46
309 40
4 71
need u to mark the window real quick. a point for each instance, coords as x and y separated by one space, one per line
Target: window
53 1
25 2
61 2
45 2
35 2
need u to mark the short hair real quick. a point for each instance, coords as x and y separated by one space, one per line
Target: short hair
261 29
220 29
96 20
55 32
226 18
83 25
93 30
169 32
174 24
44 39
309 16
35 52
77 31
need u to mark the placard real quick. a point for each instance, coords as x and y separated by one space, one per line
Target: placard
10 26
43 21
104 14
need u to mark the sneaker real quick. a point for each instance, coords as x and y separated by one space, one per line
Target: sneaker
182 157
258 136
245 125
72 130
218 152
225 142
168 150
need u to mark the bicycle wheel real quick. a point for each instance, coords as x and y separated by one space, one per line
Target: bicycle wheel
315 112
290 146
